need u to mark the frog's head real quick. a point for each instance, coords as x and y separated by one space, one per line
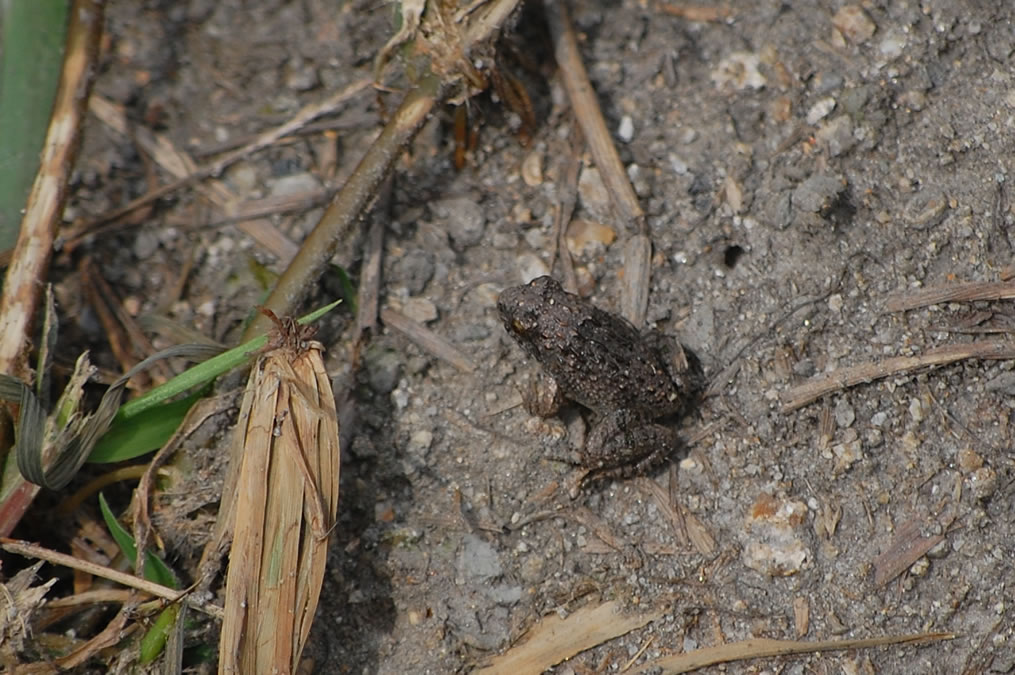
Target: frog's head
519 309
523 307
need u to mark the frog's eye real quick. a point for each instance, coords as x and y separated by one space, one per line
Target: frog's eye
518 327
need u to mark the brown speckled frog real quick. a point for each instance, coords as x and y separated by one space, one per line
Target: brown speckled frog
629 379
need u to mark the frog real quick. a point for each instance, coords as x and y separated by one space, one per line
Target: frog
632 381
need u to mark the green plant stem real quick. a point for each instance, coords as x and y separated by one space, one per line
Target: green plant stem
349 204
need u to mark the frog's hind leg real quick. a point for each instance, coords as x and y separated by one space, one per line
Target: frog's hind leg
624 444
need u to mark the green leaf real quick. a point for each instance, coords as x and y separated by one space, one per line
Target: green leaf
154 641
148 430
262 275
154 569
349 292
207 371
33 40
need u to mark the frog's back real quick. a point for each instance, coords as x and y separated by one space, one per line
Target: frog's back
621 370
597 358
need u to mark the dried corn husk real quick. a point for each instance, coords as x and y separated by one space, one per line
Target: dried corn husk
285 504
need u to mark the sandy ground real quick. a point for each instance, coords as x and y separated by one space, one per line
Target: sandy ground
800 166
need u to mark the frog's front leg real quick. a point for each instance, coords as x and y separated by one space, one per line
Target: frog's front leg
542 396
624 444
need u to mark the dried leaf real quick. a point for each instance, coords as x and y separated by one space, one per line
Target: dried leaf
18 599
286 500
51 448
554 639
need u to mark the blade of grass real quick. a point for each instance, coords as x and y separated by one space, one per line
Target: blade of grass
154 639
143 432
154 569
33 41
207 371
39 217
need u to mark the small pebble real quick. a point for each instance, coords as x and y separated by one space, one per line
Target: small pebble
920 567
532 168
969 460
593 194
414 270
983 482
817 193
145 245
639 180
837 135
734 194
584 234
242 178
294 184
826 82
893 45
854 24
680 167
1004 383
301 75
420 310
925 209
384 368
420 441
844 414
626 129
478 560
820 110
530 266
464 220
739 70
916 410
846 455
774 536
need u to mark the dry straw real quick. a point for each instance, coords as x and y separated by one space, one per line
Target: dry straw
285 502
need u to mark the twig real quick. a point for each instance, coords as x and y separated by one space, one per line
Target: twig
115 631
270 206
180 164
586 109
349 120
567 197
700 13
30 550
103 595
554 640
350 202
637 277
368 297
307 114
427 340
126 339
634 292
196 416
25 280
26 276
908 546
844 378
757 648
631 661
449 66
962 292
